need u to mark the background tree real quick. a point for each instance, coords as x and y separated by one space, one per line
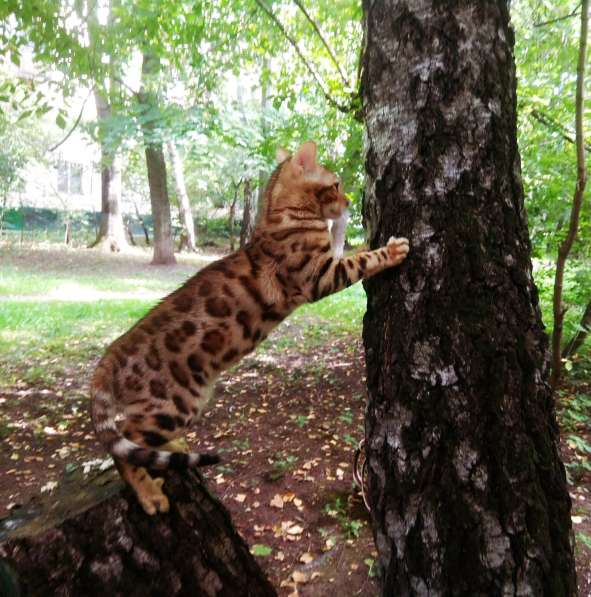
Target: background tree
155 162
111 234
186 217
467 491
575 212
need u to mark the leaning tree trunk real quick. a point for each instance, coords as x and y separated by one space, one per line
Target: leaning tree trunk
467 490
156 165
186 217
581 335
248 215
93 539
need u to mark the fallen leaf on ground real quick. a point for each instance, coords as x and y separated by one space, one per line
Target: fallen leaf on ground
300 577
277 502
306 558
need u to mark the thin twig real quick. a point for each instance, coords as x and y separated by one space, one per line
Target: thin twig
330 99
573 227
581 334
555 126
574 13
76 123
323 40
122 82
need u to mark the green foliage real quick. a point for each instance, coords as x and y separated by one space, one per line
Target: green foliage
350 527
546 58
371 564
577 291
574 411
258 549
584 539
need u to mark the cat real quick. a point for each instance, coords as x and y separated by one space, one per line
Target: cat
158 377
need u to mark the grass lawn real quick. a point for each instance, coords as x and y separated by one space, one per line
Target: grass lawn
60 308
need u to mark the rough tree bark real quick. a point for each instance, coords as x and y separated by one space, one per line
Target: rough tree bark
92 539
111 234
156 165
248 215
185 214
467 490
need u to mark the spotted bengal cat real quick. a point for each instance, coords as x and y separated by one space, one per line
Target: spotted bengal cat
158 377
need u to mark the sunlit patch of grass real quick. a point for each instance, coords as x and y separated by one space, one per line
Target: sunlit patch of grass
15 282
316 324
52 321
340 312
39 340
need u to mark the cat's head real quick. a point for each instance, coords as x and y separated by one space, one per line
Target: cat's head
302 181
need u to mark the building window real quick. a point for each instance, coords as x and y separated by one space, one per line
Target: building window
62 177
69 178
76 179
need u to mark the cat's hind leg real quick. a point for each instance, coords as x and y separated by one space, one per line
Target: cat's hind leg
147 489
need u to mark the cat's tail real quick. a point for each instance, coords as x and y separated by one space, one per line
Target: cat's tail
103 411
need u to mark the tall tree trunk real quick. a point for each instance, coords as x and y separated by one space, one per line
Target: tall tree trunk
111 234
156 165
248 215
232 217
142 223
467 490
186 217
129 229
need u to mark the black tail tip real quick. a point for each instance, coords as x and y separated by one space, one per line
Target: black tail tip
208 459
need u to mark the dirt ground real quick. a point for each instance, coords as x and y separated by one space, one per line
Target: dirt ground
286 473
286 423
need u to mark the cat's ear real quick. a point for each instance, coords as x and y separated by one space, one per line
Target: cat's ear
281 155
304 159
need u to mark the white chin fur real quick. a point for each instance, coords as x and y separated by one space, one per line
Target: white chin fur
337 234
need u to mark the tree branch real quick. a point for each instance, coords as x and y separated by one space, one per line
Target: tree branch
567 244
574 13
581 334
323 40
74 126
130 89
321 85
555 126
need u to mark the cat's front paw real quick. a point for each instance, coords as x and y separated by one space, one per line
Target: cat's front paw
397 249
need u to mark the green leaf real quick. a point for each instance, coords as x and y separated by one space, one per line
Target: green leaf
258 549
60 121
